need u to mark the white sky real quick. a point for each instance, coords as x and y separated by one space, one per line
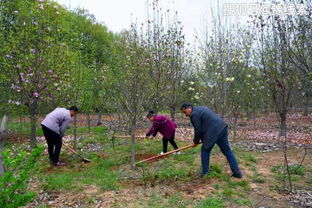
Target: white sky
116 14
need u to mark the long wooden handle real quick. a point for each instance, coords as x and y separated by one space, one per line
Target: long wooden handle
127 137
165 154
70 149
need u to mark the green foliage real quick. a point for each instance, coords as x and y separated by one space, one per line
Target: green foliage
211 203
13 184
251 158
243 202
98 173
295 169
178 201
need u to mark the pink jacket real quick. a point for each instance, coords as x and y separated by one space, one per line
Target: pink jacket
164 125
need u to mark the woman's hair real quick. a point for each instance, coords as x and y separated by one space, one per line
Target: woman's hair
74 108
150 114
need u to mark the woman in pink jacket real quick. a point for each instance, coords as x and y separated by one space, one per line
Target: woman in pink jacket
163 125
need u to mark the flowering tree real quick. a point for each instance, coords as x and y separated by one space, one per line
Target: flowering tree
132 88
34 64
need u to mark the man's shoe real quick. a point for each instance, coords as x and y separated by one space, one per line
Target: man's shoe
201 175
161 153
237 175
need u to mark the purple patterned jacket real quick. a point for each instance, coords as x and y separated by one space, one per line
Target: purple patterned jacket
164 125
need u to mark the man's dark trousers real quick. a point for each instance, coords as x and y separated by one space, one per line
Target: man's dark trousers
224 146
54 141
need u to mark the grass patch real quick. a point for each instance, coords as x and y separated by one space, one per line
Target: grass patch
211 203
295 169
75 179
177 200
243 202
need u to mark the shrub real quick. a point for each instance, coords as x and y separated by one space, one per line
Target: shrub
13 183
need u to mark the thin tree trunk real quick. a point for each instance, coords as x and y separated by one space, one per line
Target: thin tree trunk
254 117
75 133
4 126
33 123
306 105
99 119
286 166
89 123
283 123
21 122
235 125
173 112
133 130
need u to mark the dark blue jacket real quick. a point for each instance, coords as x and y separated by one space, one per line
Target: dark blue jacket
207 125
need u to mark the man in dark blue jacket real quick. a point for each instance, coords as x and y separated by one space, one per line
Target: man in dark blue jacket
211 130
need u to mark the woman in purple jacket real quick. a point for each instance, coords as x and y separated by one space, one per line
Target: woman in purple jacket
165 126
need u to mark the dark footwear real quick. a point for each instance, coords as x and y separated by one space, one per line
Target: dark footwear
201 175
237 175
59 164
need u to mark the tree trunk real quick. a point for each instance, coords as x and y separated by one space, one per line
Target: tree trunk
173 112
254 117
235 125
306 105
4 126
89 123
99 119
21 123
248 114
282 123
133 130
75 133
33 123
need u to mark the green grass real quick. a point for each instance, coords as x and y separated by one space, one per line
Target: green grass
243 202
26 129
211 203
98 174
295 169
176 200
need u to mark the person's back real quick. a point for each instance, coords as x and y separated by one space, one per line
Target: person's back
211 130
54 127
165 125
55 119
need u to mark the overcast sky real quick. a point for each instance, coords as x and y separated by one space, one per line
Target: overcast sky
116 14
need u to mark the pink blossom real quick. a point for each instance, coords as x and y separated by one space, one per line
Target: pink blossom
41 6
50 71
29 69
35 23
57 12
41 1
16 12
36 94
8 56
55 7
18 66
32 50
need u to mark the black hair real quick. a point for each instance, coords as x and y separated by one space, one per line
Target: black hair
186 105
150 113
74 108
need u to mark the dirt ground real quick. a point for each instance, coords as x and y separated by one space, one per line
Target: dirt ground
135 191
